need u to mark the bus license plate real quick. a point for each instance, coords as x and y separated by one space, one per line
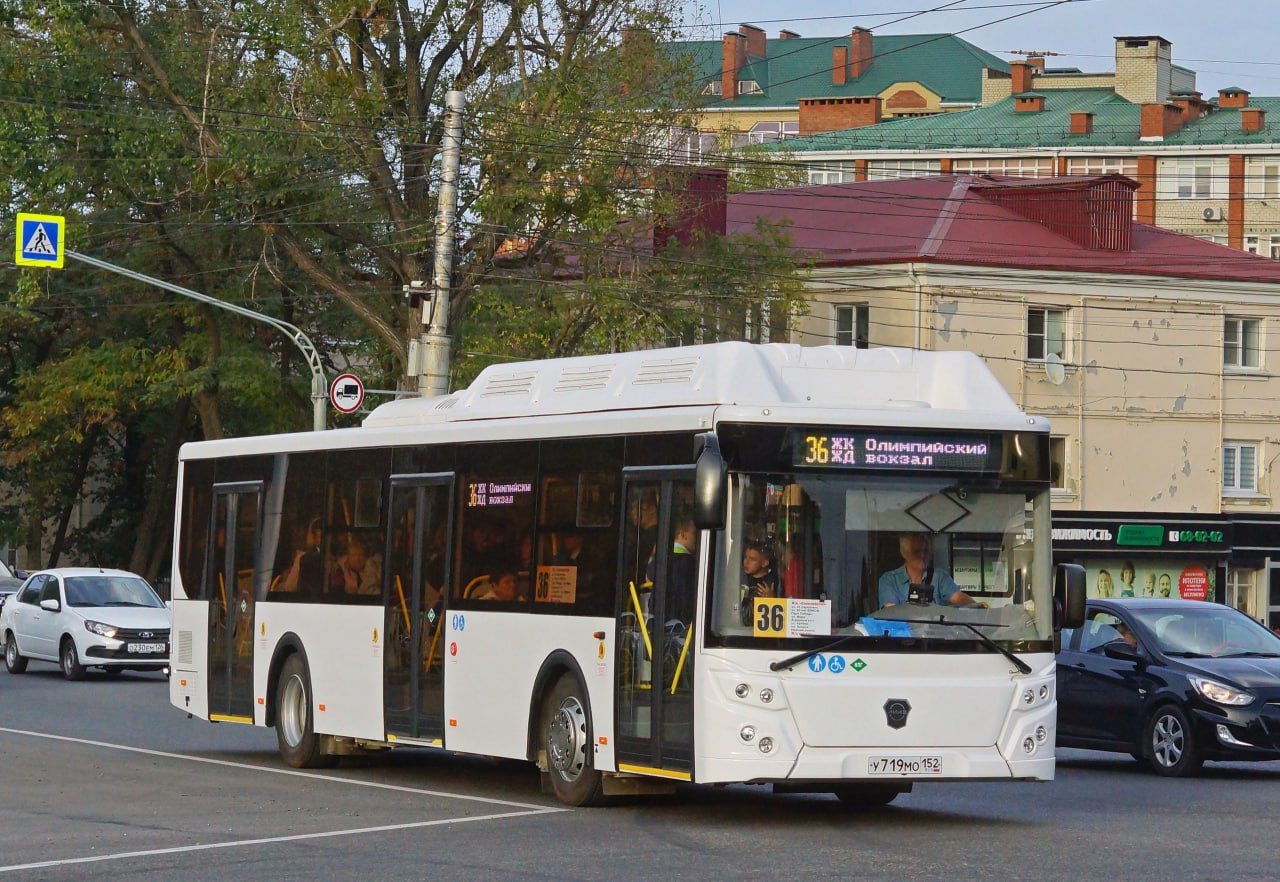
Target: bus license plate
144 648
904 765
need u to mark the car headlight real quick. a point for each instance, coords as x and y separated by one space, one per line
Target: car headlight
100 628
1215 691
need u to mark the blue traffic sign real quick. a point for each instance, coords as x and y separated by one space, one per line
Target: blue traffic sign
39 240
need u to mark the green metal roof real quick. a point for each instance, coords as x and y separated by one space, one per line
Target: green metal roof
1115 121
800 67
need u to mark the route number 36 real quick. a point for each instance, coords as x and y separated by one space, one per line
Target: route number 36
770 617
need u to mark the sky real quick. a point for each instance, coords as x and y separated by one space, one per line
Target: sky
1228 43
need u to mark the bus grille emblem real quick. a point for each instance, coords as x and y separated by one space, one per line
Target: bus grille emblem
896 711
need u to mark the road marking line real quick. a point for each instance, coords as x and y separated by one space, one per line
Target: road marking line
310 776
181 849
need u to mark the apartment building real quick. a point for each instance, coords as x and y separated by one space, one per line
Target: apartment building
757 89
1205 167
1154 355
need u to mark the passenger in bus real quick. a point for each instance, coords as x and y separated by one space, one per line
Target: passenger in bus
644 524
792 571
354 572
504 585
306 572
684 571
932 585
758 577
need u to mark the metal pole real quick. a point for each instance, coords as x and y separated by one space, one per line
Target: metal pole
319 385
436 343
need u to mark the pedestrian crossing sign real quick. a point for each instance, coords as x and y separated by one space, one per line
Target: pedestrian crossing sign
39 240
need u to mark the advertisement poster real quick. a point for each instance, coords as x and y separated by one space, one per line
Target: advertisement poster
1120 577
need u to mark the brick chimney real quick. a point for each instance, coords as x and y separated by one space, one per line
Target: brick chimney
1192 103
700 196
755 39
1081 122
733 55
1252 119
832 114
788 35
839 65
1159 120
1028 102
860 51
1022 74
1036 61
1233 96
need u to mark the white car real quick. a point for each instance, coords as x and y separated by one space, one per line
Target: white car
82 617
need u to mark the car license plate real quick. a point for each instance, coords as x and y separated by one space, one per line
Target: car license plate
904 765
145 648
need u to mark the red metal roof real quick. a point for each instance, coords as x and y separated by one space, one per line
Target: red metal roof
948 219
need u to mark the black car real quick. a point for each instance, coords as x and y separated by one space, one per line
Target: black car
1172 682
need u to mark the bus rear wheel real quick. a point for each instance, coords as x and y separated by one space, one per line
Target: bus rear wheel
300 746
566 741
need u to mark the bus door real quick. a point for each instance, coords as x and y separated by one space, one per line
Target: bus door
656 611
236 526
417 567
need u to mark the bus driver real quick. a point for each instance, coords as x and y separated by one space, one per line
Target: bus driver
917 569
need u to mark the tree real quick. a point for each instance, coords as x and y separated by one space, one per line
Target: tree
283 154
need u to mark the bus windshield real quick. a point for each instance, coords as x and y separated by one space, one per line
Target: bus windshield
881 557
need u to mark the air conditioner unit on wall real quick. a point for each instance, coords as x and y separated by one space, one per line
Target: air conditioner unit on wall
1214 214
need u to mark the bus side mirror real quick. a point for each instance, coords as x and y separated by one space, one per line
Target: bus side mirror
710 483
1068 596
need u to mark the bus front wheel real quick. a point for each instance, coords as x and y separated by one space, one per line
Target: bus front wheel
566 740
300 746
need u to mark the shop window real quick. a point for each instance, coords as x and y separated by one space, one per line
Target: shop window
1240 584
1239 468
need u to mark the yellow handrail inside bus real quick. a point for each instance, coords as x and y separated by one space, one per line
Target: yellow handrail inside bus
684 650
404 607
431 653
644 631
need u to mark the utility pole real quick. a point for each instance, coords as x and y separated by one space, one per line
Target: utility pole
436 343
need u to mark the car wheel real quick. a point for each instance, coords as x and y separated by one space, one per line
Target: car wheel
566 741
14 661
299 744
71 667
1171 747
870 794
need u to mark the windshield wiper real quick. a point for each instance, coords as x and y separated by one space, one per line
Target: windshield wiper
796 659
1017 662
1251 654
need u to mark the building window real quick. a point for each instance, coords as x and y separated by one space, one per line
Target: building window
1102 165
1003 165
832 173
853 325
1195 180
1240 343
1046 333
1239 467
1251 244
714 87
1058 463
1271 181
895 169
749 87
1240 591
1273 249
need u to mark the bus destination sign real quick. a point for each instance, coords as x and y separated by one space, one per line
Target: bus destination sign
870 449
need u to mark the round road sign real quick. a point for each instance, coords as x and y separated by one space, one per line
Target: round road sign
347 393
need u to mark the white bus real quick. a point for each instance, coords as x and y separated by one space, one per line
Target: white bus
643 568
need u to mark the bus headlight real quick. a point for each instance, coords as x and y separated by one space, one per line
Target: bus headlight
1028 697
1029 745
742 690
766 744
1042 734
747 733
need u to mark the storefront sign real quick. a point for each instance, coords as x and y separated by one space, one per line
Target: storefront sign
1148 577
1169 536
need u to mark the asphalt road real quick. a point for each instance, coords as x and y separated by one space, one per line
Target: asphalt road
104 780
